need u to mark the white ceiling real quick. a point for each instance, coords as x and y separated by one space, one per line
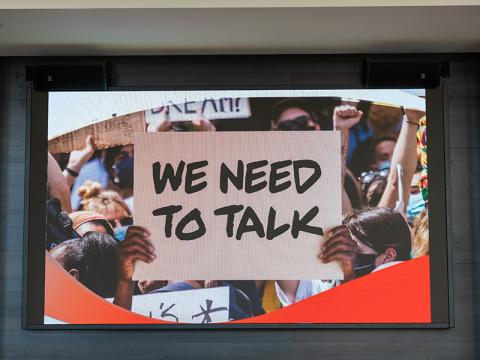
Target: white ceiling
320 29
195 4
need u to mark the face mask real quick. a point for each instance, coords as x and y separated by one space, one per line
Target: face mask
416 205
120 232
364 264
384 165
123 172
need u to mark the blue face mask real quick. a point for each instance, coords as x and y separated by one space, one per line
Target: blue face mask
120 232
415 206
384 165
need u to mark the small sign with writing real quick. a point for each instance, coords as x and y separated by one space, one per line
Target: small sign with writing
223 108
199 306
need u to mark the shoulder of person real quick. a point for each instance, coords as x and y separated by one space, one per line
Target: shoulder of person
386 265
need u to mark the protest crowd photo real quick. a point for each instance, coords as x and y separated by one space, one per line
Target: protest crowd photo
92 208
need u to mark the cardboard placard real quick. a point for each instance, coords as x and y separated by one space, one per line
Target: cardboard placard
277 217
199 306
112 132
223 108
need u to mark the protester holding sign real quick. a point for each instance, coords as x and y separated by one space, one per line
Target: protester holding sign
383 237
369 240
162 123
339 246
137 246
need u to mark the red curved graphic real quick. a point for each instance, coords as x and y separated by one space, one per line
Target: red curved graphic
398 294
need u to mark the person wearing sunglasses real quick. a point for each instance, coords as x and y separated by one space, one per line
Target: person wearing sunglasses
297 114
108 203
372 185
294 114
85 221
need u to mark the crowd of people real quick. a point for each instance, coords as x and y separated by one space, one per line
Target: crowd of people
384 203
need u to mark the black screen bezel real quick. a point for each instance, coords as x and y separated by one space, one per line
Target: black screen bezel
36 192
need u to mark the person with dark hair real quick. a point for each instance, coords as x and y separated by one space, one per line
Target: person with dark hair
138 247
374 154
383 237
369 240
294 114
119 163
373 184
92 260
382 152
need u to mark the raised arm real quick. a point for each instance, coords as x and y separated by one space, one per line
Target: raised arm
344 118
58 184
77 159
202 123
162 123
404 154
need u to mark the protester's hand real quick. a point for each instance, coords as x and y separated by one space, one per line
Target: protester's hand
340 246
135 246
202 123
147 286
413 116
160 123
78 158
211 283
346 116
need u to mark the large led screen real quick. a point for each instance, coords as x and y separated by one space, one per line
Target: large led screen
237 207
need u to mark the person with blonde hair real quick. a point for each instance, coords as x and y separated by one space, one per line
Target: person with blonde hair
106 202
420 235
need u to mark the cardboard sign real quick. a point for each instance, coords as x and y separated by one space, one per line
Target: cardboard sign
237 205
112 132
200 306
223 108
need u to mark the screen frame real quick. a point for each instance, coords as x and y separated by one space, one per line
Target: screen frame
36 191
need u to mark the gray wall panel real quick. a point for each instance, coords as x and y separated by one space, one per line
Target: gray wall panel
462 342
